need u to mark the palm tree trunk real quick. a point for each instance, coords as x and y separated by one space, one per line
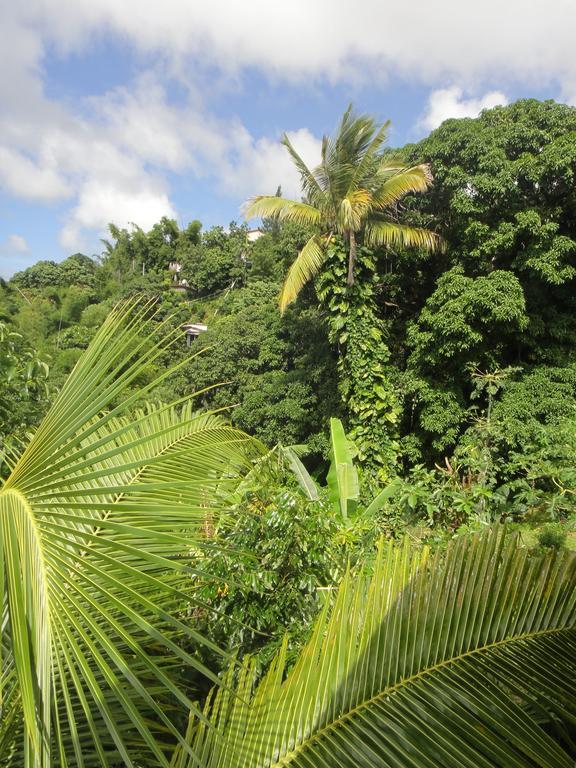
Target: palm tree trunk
351 256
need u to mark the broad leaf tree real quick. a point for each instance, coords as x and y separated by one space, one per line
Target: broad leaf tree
502 293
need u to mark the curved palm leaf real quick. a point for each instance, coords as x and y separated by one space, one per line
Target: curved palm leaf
306 266
463 660
270 206
98 521
401 183
309 181
395 235
11 733
364 167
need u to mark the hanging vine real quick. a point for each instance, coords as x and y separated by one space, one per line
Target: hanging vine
365 381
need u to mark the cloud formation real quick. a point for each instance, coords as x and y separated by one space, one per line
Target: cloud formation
450 102
460 40
108 158
14 244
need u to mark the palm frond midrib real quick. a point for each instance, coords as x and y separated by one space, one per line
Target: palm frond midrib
404 683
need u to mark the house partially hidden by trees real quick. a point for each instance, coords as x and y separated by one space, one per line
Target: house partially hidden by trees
193 330
253 234
179 283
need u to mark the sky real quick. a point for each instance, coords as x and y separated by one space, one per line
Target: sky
125 111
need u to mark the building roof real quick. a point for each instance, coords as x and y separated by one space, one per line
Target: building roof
194 329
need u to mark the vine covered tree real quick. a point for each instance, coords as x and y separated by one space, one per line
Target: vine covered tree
351 200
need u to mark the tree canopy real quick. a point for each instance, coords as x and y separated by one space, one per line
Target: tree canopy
355 517
353 192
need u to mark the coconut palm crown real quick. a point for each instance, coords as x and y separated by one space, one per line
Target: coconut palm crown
354 192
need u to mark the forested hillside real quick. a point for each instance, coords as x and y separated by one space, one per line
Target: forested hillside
470 348
405 358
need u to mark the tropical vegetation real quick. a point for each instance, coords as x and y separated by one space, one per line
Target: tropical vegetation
432 660
343 533
354 192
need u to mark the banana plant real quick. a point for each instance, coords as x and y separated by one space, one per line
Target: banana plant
342 479
460 659
99 520
343 483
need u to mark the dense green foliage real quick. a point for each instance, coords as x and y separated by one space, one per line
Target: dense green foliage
502 294
432 395
24 387
402 352
432 661
280 370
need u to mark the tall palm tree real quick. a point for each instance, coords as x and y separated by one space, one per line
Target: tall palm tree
99 519
354 192
464 659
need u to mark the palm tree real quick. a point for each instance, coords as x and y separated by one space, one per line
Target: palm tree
464 659
354 193
99 520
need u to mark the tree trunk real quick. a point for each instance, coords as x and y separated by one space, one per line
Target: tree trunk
351 256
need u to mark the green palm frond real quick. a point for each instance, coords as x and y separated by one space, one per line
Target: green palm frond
356 139
304 268
99 522
401 183
396 236
354 209
11 724
309 181
370 159
272 207
463 659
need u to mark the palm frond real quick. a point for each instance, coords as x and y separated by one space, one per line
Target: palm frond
370 157
99 522
457 660
394 235
354 209
309 181
401 183
303 269
11 722
357 138
272 207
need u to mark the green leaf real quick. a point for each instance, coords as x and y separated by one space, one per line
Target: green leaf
378 501
98 522
301 474
343 487
463 659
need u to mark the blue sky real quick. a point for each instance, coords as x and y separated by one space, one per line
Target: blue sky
129 111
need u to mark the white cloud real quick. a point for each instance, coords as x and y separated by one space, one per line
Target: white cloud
141 122
14 244
259 167
108 156
110 162
460 40
33 179
450 102
101 202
